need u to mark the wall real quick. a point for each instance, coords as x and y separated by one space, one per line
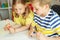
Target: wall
55 2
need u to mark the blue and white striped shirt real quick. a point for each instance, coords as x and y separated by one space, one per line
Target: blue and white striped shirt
52 20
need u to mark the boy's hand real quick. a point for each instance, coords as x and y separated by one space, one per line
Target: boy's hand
32 34
29 33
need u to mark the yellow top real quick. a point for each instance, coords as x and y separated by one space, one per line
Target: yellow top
45 31
22 21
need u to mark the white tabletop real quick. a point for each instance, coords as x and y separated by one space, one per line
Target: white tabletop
17 36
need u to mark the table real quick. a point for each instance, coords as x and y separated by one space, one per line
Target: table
4 35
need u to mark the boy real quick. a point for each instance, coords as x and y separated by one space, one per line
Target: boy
47 21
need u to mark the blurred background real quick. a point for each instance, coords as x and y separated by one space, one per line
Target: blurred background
6 8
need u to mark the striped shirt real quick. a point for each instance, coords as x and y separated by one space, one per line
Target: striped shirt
51 21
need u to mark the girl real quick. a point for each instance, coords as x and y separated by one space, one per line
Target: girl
23 17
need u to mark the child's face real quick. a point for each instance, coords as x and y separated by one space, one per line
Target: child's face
38 9
19 9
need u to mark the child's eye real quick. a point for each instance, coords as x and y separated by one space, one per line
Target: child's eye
36 9
20 9
15 9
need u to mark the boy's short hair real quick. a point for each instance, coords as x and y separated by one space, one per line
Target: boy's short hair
42 2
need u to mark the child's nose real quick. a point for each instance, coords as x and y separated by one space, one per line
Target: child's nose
18 11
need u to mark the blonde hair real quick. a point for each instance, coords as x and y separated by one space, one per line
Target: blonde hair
42 2
19 1
23 2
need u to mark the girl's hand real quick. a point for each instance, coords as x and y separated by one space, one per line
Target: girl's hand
12 30
7 27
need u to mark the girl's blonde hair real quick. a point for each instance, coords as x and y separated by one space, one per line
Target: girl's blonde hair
19 1
42 2
22 2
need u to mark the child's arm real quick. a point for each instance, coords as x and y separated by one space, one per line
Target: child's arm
22 28
32 31
16 26
11 28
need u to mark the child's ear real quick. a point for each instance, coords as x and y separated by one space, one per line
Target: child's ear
46 6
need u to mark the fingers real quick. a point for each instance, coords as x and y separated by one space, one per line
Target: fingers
11 31
7 27
41 36
32 34
29 33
